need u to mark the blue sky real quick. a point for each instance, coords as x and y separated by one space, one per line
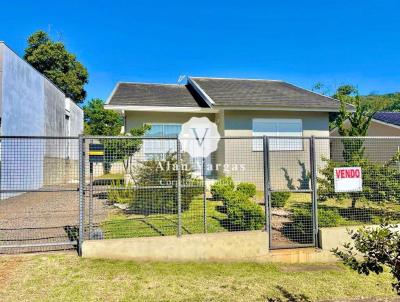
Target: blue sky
302 42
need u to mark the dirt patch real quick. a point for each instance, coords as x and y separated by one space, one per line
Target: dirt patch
7 267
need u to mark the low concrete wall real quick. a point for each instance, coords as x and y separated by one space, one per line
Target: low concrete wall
235 246
331 238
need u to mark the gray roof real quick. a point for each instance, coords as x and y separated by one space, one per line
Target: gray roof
135 94
247 92
388 117
222 92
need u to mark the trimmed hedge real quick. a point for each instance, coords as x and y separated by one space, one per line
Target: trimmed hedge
247 188
243 214
221 186
279 199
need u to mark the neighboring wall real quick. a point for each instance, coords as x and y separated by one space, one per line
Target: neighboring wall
30 106
283 164
376 149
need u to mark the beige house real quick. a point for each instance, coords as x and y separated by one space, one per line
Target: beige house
241 108
383 138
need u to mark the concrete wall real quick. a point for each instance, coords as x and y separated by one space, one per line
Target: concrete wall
22 114
30 106
235 246
331 238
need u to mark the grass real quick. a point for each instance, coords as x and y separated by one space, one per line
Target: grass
120 225
70 278
111 176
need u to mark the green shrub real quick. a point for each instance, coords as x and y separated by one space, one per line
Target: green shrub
243 214
247 188
156 182
302 219
222 185
381 181
279 199
234 197
120 193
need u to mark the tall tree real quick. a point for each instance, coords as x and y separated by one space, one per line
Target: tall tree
59 65
99 121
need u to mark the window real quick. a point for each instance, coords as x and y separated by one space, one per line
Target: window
278 127
154 149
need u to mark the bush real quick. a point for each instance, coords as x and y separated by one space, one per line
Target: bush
222 185
381 181
302 220
243 214
120 193
156 182
247 188
279 199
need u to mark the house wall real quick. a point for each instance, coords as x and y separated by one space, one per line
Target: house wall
236 158
376 149
135 119
284 165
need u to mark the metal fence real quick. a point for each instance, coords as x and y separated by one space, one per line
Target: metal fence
58 191
39 204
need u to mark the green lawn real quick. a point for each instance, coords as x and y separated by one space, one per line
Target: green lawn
70 278
125 226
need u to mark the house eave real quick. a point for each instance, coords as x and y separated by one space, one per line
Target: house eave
121 108
264 108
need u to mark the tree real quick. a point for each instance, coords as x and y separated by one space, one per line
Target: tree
54 61
123 148
353 124
99 121
372 250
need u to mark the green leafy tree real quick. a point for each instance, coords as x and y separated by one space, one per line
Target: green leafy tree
123 147
373 249
99 121
53 60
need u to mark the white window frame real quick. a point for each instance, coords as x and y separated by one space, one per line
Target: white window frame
278 144
163 143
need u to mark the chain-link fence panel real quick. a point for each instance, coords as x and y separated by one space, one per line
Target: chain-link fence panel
39 206
358 180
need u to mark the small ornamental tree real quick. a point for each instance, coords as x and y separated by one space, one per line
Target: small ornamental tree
156 185
353 124
123 147
372 250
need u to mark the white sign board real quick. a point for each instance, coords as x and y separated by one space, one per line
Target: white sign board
348 179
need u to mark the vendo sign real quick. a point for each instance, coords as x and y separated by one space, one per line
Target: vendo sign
348 179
